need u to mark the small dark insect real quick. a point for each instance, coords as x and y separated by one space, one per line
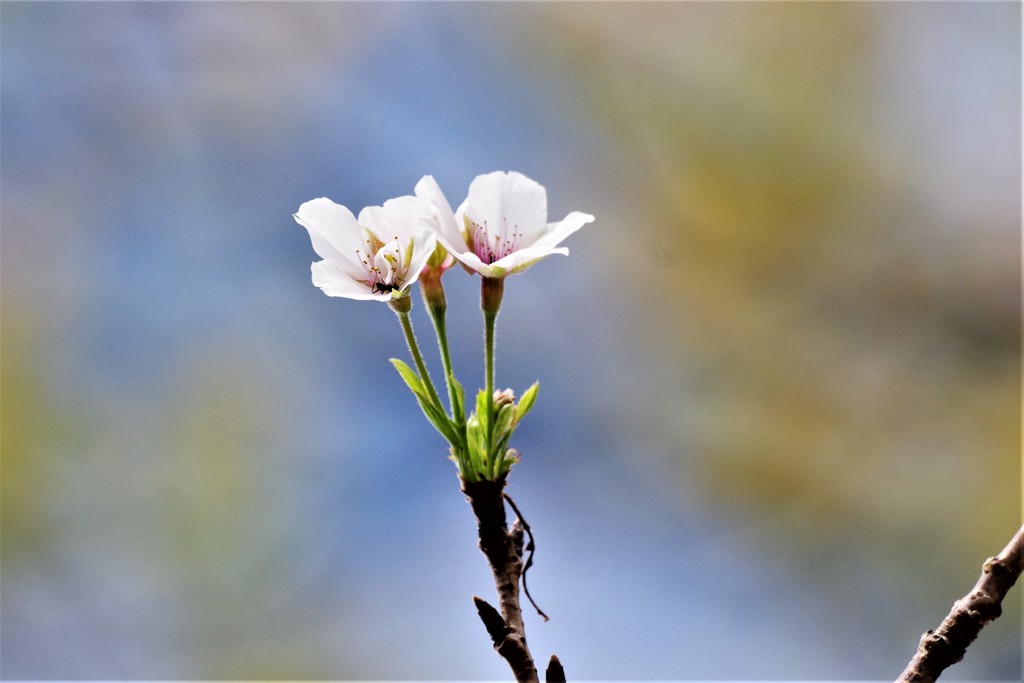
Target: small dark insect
384 288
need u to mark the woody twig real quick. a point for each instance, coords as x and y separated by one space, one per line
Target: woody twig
945 646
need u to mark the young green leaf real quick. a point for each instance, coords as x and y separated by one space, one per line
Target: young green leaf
412 380
526 401
475 438
503 424
483 411
460 400
502 443
460 456
440 421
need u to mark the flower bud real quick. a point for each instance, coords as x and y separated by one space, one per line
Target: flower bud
511 458
433 290
503 398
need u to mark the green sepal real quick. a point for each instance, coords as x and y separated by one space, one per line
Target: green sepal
437 257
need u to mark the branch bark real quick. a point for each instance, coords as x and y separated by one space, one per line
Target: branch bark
946 645
503 548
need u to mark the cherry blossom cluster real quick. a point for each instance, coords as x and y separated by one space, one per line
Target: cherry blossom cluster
499 229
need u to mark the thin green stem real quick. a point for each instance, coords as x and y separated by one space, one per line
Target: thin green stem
446 361
458 410
414 349
491 292
433 297
489 319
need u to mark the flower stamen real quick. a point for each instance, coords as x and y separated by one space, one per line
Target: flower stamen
384 267
504 241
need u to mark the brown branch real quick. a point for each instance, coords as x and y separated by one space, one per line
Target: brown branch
503 549
555 672
946 645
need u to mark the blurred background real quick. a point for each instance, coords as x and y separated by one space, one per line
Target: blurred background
779 423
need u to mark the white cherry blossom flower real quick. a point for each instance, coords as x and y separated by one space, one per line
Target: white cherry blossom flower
502 226
377 257
442 220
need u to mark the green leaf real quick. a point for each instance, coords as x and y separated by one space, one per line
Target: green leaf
433 412
475 443
483 410
460 400
502 443
412 380
526 401
461 460
440 421
503 425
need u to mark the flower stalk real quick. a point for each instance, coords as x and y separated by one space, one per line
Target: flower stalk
401 307
491 291
437 306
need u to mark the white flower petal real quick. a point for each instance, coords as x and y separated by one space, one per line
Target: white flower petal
401 217
557 232
335 282
470 260
333 230
507 204
428 190
422 247
454 249
385 260
501 228
522 259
